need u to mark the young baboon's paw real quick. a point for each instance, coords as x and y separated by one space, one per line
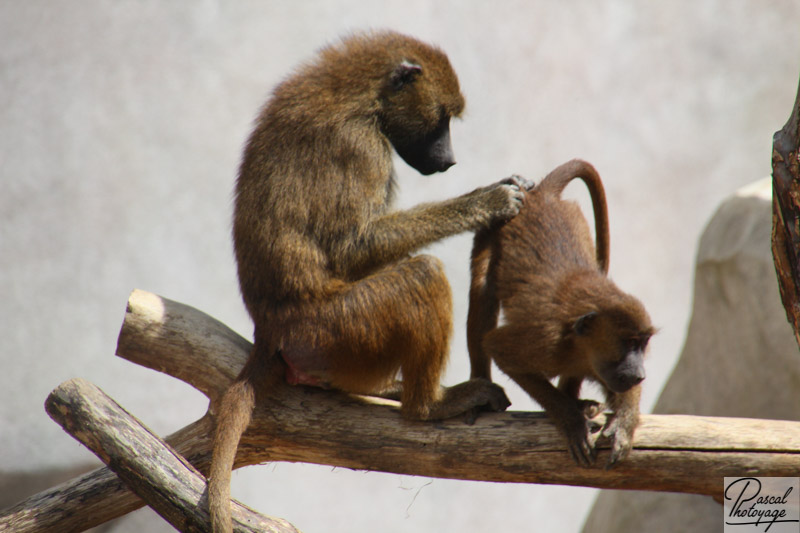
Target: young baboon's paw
579 444
620 438
590 408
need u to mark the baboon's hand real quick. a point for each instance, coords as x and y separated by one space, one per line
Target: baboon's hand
580 446
522 182
499 201
514 188
620 436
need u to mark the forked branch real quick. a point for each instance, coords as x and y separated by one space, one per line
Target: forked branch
148 465
671 452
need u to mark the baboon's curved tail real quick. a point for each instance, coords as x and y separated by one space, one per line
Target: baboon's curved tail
560 177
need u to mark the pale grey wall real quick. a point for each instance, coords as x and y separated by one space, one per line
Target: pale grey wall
121 125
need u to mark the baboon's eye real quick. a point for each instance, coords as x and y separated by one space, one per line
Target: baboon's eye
636 344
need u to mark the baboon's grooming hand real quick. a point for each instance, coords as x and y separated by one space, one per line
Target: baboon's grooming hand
500 201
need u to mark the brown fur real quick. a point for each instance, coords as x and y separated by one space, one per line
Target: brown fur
324 265
563 316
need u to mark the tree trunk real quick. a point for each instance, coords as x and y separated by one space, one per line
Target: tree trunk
786 214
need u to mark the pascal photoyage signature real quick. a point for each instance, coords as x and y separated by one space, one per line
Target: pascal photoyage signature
762 509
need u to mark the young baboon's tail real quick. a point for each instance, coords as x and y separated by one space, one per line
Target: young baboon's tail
560 177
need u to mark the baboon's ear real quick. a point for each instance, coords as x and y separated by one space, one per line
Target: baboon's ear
582 325
405 73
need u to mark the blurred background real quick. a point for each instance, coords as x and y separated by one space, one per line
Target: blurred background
121 128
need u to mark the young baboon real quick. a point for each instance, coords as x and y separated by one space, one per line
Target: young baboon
561 315
324 265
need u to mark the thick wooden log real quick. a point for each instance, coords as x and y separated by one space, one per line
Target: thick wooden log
192 346
786 214
93 498
301 424
148 465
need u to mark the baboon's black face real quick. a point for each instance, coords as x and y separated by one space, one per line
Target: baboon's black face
617 342
416 107
430 153
622 374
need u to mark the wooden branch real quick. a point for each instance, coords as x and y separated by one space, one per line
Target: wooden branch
148 465
302 424
192 346
786 214
93 498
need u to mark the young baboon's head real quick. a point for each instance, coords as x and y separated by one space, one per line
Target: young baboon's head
615 338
